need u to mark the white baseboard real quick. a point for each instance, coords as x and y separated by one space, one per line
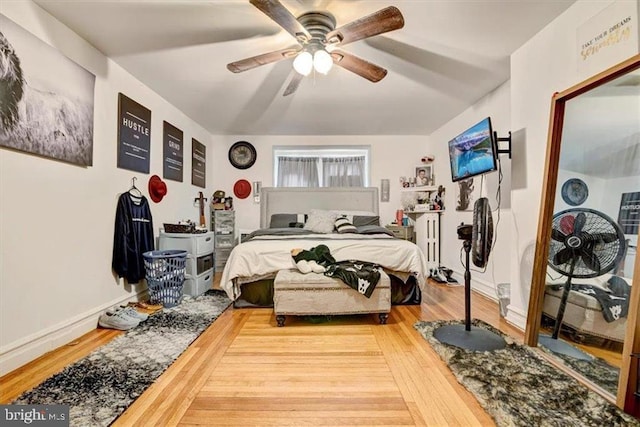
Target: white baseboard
24 350
485 288
516 317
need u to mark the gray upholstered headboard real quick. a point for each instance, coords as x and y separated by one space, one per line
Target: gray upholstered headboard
302 200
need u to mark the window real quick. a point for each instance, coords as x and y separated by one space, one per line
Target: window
321 167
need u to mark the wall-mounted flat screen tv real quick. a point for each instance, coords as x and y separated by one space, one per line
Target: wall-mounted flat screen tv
473 152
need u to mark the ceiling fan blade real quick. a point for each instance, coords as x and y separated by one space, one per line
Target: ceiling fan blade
265 58
281 15
382 21
558 235
366 69
293 84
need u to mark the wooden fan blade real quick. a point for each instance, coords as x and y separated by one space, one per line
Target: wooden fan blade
293 84
382 21
366 69
281 15
265 58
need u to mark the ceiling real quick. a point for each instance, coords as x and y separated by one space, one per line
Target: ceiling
448 55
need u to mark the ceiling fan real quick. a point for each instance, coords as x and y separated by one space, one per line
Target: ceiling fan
318 41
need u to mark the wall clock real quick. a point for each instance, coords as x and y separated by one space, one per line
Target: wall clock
242 155
574 191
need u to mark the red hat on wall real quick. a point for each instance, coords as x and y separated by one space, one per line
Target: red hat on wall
242 189
157 188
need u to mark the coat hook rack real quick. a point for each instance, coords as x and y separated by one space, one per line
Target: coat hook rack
505 139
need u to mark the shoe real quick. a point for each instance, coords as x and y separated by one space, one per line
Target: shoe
133 313
117 320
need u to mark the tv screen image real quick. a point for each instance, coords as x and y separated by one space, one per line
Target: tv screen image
473 152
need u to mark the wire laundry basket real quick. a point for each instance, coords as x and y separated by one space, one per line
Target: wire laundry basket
165 276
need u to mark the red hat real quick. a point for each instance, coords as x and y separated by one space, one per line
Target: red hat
157 188
242 189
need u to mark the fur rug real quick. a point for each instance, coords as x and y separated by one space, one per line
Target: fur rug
596 370
99 387
519 388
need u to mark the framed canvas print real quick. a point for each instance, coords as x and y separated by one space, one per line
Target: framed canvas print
173 152
46 99
134 135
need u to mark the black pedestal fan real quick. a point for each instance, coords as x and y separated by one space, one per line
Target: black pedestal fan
584 243
477 239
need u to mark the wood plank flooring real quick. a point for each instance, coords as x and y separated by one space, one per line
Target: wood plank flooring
243 370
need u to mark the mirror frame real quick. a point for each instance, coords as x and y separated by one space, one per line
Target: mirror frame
629 370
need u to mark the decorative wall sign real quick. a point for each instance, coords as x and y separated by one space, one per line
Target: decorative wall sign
466 194
46 99
242 155
629 214
173 157
134 135
198 163
574 192
609 37
385 189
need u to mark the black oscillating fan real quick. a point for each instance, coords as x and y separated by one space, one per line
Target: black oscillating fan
477 239
584 243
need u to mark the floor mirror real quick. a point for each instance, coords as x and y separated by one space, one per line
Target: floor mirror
585 289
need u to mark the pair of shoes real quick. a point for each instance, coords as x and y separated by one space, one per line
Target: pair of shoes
438 275
132 312
117 319
122 318
146 305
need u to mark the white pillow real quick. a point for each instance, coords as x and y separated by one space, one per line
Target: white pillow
320 221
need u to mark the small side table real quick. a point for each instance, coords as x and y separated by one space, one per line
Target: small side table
402 232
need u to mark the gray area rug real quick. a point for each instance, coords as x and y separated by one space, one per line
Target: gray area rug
99 387
517 387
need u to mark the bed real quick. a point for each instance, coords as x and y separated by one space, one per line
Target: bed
252 265
584 314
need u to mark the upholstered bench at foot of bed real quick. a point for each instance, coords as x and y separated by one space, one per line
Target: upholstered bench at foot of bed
300 294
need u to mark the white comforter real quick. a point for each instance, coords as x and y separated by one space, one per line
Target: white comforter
268 254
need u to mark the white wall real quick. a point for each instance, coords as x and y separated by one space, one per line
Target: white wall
546 64
496 106
391 157
57 219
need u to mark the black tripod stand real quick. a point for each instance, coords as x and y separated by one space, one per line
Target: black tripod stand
467 336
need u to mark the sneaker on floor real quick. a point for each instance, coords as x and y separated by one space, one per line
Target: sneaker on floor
117 320
133 313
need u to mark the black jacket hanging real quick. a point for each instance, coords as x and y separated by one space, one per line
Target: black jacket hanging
133 235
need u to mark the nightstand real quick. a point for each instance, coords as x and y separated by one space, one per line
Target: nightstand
402 232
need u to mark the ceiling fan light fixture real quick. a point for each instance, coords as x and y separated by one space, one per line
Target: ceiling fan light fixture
303 63
322 61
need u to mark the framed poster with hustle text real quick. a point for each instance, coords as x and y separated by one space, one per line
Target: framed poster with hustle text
629 214
134 135
173 152
198 163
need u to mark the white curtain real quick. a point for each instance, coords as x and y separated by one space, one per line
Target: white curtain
298 172
343 172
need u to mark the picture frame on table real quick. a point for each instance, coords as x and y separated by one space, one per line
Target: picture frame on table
424 175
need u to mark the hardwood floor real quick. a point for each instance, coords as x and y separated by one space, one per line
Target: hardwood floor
243 370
